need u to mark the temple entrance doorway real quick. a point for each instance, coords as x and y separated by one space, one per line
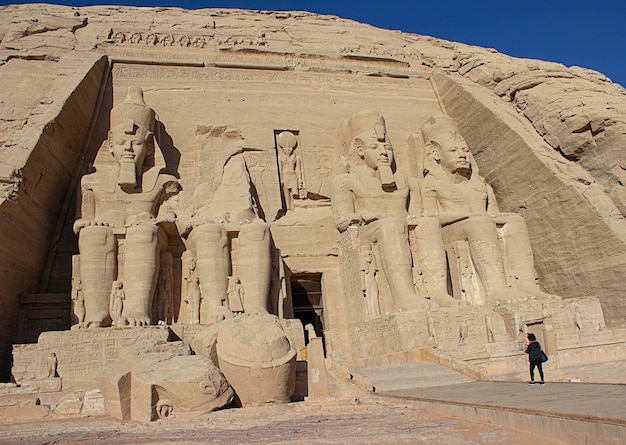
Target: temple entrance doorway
306 295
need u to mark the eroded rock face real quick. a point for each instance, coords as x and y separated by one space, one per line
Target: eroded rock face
230 170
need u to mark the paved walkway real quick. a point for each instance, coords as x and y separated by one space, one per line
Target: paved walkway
575 413
589 401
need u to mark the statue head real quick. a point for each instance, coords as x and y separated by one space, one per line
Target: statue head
287 142
366 136
368 139
131 138
446 146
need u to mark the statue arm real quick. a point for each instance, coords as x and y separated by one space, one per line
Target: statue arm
416 206
169 188
431 207
342 201
429 200
492 203
87 208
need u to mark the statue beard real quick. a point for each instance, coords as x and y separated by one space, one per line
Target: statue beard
386 178
127 177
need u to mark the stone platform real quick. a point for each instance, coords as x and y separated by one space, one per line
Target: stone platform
575 413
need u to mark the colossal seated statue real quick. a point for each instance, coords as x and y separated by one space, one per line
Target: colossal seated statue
119 217
372 196
467 210
222 212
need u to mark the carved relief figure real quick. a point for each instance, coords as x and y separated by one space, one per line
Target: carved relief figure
369 282
375 198
432 331
491 336
219 206
319 183
121 203
291 172
466 207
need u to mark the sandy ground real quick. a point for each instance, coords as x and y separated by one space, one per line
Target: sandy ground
360 421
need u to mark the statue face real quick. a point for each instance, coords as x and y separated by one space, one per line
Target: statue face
375 153
453 153
127 148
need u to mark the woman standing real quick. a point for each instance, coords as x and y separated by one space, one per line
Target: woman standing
533 349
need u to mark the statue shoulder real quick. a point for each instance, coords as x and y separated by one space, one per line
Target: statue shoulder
430 184
87 181
344 180
98 181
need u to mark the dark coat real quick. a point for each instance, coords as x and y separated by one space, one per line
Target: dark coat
534 351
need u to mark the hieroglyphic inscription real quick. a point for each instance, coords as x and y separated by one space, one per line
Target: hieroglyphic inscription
318 167
382 51
194 75
186 40
80 352
390 334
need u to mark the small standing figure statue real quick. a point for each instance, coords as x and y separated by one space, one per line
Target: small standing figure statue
193 300
235 295
292 178
578 319
78 303
369 282
491 336
117 303
432 332
463 331
53 364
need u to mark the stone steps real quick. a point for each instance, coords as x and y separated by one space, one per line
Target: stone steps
410 375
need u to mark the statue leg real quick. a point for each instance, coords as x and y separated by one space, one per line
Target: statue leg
98 268
430 258
212 265
485 250
141 269
255 265
518 252
393 241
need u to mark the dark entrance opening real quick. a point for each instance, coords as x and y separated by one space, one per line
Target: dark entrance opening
306 295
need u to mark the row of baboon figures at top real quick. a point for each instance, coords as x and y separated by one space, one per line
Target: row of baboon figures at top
123 273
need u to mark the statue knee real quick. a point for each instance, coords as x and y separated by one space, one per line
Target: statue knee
208 233
480 227
142 234
99 237
255 232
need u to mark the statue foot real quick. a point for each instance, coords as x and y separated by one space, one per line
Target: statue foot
413 303
514 296
445 300
101 320
93 324
216 314
135 320
257 310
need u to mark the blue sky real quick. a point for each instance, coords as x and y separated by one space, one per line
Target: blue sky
584 33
